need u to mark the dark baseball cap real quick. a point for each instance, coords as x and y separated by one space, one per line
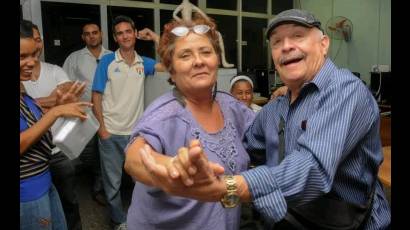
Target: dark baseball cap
297 16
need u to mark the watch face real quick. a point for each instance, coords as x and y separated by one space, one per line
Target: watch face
231 200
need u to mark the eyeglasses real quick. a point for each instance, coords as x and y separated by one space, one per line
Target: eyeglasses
181 31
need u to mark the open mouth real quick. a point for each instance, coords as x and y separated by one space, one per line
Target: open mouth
292 60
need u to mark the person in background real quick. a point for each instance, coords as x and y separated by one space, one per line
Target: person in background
46 82
242 89
46 78
321 139
80 66
118 98
194 109
40 205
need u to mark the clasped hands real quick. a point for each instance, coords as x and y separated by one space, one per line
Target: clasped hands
188 174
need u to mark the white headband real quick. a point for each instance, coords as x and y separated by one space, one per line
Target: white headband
241 77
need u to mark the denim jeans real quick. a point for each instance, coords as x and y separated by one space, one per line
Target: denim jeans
43 213
112 158
63 176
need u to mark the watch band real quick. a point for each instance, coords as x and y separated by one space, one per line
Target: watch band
231 198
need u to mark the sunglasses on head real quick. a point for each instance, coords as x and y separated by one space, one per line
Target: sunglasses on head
181 31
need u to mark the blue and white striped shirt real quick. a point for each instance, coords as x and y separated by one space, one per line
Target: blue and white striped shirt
332 144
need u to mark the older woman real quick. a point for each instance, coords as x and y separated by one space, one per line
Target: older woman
193 110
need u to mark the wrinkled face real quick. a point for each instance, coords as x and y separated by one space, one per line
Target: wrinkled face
242 90
28 58
38 40
92 36
298 52
194 63
125 35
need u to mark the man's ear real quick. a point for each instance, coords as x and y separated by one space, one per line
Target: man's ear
115 39
324 43
83 37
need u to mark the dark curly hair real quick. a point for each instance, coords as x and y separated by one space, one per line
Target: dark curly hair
166 45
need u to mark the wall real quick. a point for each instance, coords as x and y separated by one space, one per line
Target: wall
371 38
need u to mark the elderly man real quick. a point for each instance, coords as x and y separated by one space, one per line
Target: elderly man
321 139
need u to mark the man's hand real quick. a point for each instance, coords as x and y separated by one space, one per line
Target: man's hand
148 35
72 95
281 91
103 133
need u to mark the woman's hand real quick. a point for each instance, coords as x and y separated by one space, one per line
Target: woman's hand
205 186
76 109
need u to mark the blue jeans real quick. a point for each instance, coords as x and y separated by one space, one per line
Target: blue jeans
112 158
43 213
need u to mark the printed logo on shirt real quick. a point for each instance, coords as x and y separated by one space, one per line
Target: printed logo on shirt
139 70
117 70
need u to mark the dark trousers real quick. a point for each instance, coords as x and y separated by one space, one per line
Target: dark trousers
63 176
89 160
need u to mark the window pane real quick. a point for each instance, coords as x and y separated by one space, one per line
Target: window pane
281 5
227 27
177 2
142 0
253 43
62 28
142 18
221 4
257 6
165 16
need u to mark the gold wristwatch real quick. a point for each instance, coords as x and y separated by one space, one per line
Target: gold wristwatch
231 198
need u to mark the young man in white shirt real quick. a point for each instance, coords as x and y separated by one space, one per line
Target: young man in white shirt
81 65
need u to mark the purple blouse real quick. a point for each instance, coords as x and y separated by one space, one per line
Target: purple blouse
166 125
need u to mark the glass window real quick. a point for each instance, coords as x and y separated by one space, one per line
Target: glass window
142 18
254 44
257 6
228 29
221 4
281 5
165 16
62 28
177 2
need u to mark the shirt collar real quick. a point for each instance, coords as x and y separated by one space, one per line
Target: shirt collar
85 50
119 58
322 79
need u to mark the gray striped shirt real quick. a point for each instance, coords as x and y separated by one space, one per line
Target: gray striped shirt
332 144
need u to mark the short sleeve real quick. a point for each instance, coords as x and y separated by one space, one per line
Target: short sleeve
149 66
101 73
60 75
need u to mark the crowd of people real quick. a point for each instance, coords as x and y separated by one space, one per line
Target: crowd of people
189 152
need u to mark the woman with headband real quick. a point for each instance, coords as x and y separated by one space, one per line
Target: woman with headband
242 89
193 110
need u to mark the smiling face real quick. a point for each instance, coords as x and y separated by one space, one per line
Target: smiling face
298 52
28 58
195 64
125 35
242 90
